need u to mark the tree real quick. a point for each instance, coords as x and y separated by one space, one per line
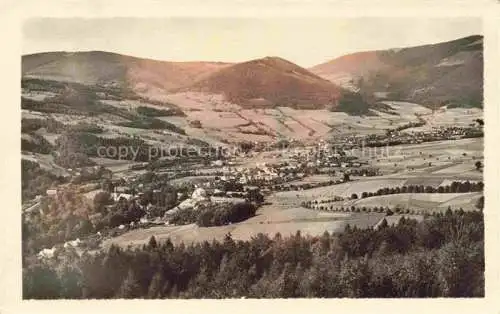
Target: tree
130 288
480 203
156 285
40 282
383 224
346 177
72 150
152 243
102 199
70 278
354 196
107 185
459 266
478 165
429 189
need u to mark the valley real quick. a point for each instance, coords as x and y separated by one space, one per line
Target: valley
233 108
360 176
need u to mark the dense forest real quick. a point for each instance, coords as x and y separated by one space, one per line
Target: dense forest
441 256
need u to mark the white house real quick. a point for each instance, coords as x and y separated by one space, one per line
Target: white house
117 196
47 253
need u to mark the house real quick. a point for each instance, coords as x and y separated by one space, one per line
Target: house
121 189
251 188
218 192
51 192
221 200
47 253
218 163
118 196
74 243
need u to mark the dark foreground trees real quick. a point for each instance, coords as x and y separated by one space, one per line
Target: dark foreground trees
441 256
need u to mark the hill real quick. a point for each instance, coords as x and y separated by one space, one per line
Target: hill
270 81
97 67
445 73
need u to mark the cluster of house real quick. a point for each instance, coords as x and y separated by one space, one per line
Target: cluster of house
89 173
417 137
50 253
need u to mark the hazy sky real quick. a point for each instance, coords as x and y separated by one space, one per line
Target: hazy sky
307 41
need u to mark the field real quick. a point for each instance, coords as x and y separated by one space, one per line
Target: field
269 220
422 201
283 212
224 120
453 159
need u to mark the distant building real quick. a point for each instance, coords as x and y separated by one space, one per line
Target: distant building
221 200
118 196
47 253
121 189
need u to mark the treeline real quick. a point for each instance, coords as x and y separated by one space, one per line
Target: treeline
53 126
407 126
34 84
381 209
307 185
154 112
438 257
214 214
146 122
454 187
52 107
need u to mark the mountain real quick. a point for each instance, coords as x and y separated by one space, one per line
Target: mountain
444 73
262 83
270 81
97 67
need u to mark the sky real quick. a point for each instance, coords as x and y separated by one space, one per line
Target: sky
306 41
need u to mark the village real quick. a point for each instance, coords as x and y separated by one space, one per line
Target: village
160 196
345 168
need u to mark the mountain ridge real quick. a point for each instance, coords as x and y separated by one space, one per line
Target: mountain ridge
273 79
93 67
447 73
433 74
